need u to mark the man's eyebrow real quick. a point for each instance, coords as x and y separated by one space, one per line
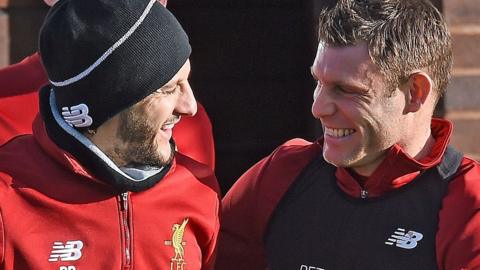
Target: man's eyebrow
173 83
168 85
359 87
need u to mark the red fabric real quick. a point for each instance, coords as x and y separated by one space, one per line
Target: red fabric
16 115
18 96
458 236
248 205
406 168
19 105
46 199
23 78
194 137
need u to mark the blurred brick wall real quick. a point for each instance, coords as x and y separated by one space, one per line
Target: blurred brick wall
20 21
4 39
462 101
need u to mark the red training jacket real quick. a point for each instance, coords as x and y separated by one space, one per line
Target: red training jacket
54 214
18 96
194 137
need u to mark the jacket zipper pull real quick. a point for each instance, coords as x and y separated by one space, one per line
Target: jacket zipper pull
124 201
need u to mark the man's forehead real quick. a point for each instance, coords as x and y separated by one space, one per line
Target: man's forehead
352 62
354 54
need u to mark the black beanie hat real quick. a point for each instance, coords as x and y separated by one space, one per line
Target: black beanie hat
103 56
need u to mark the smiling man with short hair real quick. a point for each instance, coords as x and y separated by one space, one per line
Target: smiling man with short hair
381 189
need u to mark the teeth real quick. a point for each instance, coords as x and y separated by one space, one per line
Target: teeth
339 132
171 124
168 126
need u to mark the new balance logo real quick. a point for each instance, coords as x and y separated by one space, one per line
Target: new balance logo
308 267
71 251
77 116
402 239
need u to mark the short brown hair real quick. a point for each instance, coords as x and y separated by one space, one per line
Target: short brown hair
402 35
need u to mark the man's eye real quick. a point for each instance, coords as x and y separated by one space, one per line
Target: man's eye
343 90
169 91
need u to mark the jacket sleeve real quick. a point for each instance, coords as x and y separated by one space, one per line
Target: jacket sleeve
2 242
249 204
240 245
24 77
458 236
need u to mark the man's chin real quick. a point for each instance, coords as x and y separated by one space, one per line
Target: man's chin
148 155
166 154
339 160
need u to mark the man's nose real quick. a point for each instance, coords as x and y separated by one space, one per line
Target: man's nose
186 103
322 103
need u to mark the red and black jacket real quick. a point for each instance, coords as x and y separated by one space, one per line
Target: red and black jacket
248 207
57 213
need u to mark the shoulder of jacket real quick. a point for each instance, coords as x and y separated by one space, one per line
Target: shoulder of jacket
295 149
296 142
17 148
462 197
11 155
467 179
200 171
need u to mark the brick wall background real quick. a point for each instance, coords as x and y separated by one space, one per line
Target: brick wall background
4 39
20 21
462 101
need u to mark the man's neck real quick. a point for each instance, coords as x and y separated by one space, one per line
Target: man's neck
418 145
420 142
426 149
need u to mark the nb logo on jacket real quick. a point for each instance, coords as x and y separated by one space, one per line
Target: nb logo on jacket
71 251
403 239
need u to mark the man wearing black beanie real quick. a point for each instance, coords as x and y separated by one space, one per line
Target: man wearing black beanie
99 184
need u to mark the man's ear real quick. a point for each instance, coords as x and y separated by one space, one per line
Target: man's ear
419 87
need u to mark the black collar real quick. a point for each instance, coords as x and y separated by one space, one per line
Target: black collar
87 157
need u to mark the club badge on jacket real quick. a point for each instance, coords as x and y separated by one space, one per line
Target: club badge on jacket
178 261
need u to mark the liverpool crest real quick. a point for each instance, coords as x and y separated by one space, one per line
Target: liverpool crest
178 262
